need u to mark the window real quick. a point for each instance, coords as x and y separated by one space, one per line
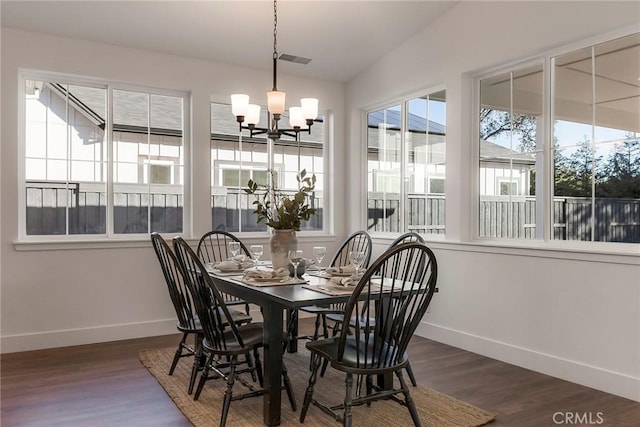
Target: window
510 113
405 166
235 159
593 143
89 172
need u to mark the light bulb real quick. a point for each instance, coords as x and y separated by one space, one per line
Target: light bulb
239 103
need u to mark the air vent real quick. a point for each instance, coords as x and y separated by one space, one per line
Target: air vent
296 59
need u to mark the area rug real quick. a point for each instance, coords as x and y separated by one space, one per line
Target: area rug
435 409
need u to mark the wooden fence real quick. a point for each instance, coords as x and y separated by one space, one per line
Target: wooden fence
617 220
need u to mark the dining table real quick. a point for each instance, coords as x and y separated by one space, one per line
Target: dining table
275 299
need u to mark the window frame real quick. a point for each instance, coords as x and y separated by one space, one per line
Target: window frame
26 241
544 211
403 102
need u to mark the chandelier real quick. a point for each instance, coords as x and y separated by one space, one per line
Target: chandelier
300 118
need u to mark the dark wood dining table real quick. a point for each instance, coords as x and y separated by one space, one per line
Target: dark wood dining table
275 301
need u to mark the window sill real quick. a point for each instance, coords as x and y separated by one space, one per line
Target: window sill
138 241
613 253
77 244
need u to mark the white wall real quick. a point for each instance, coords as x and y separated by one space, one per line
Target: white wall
72 294
566 313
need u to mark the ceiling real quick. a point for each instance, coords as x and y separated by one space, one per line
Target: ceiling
341 37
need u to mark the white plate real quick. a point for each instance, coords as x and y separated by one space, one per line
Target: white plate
338 274
240 270
268 279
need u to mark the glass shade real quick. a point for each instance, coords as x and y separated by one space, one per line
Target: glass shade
253 114
295 117
239 103
309 108
275 102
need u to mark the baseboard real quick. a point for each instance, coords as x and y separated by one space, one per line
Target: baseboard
81 336
569 370
69 337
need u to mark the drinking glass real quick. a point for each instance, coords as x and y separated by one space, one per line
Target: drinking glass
234 248
356 258
318 254
295 258
256 252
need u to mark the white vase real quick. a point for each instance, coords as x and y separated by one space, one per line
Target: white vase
281 242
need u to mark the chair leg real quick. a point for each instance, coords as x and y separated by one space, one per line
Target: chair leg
178 354
291 322
369 381
258 368
289 388
203 377
325 330
347 418
412 378
251 365
408 400
325 363
359 380
312 381
316 332
229 393
197 364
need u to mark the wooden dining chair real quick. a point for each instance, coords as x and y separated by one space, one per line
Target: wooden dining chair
214 247
221 342
387 305
188 321
358 241
338 318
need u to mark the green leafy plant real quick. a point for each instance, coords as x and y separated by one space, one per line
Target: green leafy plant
282 210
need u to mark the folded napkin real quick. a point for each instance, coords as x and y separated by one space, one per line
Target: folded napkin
233 265
267 274
343 281
344 270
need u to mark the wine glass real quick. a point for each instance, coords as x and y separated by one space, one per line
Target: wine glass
234 248
295 258
256 252
356 258
318 254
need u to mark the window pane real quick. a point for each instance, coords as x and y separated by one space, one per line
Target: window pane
148 158
425 142
596 133
65 159
510 108
384 154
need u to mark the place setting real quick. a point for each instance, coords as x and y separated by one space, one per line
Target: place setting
352 270
291 275
238 263
342 280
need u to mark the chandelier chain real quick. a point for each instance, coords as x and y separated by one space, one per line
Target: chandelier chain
275 30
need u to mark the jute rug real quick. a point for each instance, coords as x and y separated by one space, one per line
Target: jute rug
435 409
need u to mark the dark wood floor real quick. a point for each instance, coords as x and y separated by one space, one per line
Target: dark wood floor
106 385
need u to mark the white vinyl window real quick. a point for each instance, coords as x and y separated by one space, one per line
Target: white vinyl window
100 159
406 165
585 142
